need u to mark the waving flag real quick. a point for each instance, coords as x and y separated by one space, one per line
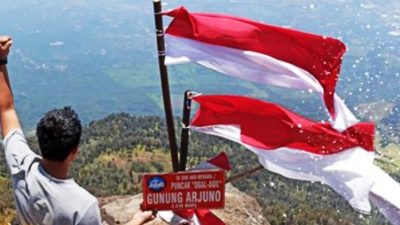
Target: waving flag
260 53
293 146
385 195
192 217
301 149
339 155
219 161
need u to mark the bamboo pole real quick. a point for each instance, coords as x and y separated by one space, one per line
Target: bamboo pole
165 84
246 173
187 104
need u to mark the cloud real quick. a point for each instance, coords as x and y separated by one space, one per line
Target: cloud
56 44
395 33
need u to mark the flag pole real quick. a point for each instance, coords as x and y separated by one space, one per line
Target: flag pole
243 174
165 84
187 104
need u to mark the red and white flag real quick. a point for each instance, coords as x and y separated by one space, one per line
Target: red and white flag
190 217
287 58
220 161
260 53
301 149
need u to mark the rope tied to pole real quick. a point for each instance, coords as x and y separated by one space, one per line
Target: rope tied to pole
193 94
184 127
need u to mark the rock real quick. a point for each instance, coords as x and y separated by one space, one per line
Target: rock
375 111
239 209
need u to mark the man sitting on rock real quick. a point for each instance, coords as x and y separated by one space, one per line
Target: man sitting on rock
43 192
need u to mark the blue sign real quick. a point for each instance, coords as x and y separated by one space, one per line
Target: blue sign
157 183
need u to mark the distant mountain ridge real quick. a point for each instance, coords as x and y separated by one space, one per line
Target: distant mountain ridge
386 115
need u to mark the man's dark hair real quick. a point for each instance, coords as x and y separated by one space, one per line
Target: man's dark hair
58 132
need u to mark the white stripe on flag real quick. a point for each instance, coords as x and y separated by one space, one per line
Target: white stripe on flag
385 194
251 66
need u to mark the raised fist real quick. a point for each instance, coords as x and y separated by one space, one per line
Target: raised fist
5 45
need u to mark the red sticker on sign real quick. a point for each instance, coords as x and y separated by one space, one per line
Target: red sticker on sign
186 190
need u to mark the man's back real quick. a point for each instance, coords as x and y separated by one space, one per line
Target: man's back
41 198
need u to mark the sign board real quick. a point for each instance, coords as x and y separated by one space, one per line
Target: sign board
185 190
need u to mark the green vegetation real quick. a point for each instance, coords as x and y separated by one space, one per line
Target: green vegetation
135 76
389 158
7 212
116 150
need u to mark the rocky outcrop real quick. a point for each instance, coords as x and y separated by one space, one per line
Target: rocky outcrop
239 209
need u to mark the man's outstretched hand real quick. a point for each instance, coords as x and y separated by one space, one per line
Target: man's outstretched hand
5 45
142 217
8 115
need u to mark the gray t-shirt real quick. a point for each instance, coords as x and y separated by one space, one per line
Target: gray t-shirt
40 198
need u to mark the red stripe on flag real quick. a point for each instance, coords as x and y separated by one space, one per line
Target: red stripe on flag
269 126
204 216
320 56
221 161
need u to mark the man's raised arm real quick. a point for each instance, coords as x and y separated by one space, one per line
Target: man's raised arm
8 115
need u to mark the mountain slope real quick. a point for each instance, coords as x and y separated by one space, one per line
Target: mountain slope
116 150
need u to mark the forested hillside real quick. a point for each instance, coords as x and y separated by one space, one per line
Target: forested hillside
116 150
